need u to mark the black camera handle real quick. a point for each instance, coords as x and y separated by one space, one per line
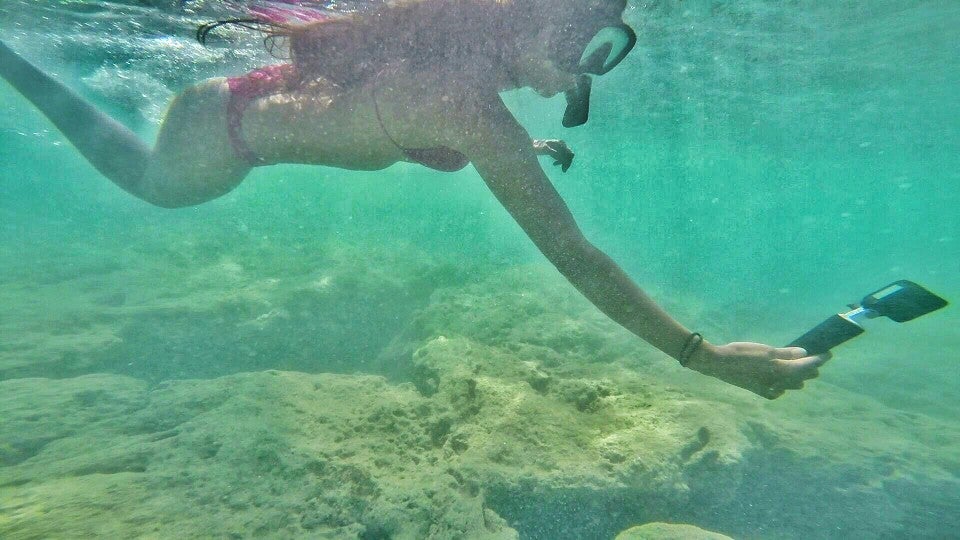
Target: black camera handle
900 301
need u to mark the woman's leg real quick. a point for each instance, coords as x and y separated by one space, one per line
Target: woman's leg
181 171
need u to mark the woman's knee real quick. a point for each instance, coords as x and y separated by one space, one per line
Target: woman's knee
177 190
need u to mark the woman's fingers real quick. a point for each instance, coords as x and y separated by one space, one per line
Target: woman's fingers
807 364
770 371
795 368
789 353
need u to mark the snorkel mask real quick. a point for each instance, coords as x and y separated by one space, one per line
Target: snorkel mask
604 51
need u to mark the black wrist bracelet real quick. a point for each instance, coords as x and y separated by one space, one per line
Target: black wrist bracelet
689 347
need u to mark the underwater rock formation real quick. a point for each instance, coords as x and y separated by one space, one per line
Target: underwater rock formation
254 454
201 308
669 531
513 410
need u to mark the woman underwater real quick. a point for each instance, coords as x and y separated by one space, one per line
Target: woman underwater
415 81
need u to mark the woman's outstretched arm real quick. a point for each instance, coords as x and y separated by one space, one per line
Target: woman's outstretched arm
496 144
110 147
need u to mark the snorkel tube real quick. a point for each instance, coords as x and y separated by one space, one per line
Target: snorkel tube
596 60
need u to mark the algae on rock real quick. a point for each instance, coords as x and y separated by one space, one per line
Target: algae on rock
504 429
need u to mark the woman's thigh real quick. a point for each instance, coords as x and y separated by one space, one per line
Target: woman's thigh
193 161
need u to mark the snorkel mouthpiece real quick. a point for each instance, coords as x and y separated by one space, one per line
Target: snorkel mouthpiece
578 103
603 53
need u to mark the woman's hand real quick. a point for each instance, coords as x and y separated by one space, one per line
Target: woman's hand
762 369
555 148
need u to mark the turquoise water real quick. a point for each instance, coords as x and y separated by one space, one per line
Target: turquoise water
755 166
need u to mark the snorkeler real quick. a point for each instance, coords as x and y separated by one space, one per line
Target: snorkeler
414 81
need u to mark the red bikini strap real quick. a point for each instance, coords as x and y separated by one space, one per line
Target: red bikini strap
246 88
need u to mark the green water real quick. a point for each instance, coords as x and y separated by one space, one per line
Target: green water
755 166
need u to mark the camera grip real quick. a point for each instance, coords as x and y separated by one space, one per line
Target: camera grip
827 335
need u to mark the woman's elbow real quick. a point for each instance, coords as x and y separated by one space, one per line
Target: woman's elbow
571 254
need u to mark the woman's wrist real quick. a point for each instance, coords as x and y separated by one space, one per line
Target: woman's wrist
702 357
690 346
